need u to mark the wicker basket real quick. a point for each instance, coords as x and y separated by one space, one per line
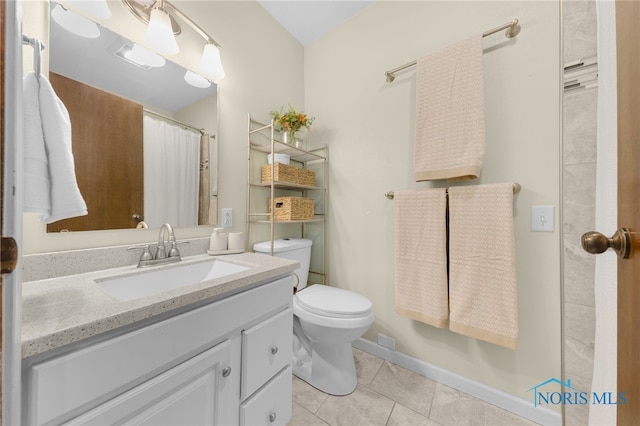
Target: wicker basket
293 208
289 174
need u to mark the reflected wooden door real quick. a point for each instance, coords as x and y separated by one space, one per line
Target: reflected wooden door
628 54
107 148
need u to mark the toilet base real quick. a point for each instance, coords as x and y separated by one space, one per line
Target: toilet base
330 368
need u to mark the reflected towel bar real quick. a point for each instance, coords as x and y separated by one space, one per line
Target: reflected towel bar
513 29
516 188
38 46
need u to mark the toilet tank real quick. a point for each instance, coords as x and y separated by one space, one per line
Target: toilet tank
290 248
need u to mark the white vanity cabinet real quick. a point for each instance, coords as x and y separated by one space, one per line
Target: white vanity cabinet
206 366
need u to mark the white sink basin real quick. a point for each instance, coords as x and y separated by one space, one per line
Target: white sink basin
156 281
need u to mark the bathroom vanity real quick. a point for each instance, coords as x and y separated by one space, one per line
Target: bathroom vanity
215 352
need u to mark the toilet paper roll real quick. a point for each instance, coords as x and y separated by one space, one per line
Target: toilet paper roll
236 241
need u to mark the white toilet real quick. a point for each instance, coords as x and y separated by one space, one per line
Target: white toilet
326 321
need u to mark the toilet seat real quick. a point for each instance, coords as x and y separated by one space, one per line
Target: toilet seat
333 302
340 311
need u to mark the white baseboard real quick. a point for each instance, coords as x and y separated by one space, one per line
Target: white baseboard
518 406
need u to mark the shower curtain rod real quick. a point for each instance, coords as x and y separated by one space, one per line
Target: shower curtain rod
516 188
513 29
172 120
38 46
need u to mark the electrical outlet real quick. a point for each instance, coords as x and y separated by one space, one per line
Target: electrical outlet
227 218
386 341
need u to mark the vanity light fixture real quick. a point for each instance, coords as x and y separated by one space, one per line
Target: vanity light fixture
159 35
162 16
210 63
75 23
196 80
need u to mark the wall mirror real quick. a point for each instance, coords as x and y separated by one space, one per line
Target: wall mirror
143 137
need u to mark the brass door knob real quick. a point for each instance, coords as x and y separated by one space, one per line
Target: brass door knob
596 243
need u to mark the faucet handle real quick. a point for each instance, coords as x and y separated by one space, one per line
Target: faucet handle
173 251
146 252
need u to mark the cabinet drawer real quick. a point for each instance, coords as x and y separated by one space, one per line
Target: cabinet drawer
272 405
266 349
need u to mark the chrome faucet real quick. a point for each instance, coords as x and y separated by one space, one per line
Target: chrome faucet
160 256
161 252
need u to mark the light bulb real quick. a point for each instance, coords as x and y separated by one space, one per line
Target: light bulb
159 35
196 80
75 23
210 63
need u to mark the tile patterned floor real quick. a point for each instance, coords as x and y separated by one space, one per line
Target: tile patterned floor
394 396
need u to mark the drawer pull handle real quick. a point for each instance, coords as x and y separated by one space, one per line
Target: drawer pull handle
226 371
274 350
272 417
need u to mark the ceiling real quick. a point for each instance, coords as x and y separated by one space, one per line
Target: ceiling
308 20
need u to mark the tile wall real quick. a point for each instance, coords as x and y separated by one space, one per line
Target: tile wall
579 181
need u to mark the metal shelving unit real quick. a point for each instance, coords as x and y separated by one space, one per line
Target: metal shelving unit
263 140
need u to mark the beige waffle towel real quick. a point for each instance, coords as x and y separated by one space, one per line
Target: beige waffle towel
482 271
420 255
450 127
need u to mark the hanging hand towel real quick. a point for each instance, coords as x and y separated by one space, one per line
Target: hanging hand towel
36 171
66 200
450 127
482 267
420 255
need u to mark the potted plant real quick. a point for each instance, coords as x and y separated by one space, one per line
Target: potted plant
290 122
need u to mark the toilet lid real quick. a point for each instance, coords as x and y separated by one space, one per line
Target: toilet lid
325 300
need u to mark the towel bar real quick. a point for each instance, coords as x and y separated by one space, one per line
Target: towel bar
516 188
38 46
513 29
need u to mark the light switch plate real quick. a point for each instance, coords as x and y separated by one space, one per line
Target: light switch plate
542 218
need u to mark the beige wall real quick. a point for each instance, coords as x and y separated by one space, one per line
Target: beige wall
369 127
264 70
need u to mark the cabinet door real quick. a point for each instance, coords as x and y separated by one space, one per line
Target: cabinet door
189 393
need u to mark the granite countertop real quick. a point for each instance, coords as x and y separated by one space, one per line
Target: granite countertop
63 310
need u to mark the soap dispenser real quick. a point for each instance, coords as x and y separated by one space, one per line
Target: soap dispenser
218 240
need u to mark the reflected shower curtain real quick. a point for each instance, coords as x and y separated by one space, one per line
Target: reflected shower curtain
171 174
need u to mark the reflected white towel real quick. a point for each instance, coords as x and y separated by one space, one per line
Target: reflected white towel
36 172
420 244
66 200
483 293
